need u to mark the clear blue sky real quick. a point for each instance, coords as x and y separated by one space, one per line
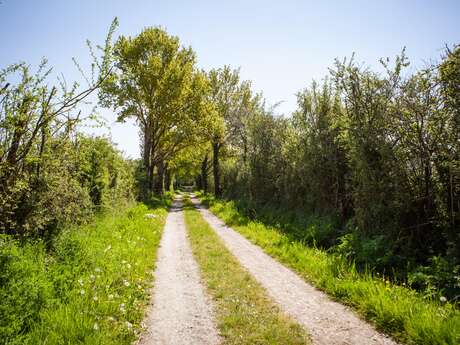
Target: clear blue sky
279 45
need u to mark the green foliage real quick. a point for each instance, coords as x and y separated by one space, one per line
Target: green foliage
91 288
450 79
440 272
106 175
396 309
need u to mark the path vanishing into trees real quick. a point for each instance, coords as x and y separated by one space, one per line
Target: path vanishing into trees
182 313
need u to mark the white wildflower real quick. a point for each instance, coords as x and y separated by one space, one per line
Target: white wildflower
126 283
110 296
96 326
80 281
97 270
129 266
95 298
442 299
92 277
82 292
129 325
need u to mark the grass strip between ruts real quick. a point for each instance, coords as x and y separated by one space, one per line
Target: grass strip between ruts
245 314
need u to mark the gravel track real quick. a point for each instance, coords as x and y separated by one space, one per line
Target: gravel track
328 322
181 312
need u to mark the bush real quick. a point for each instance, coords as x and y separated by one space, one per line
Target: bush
440 277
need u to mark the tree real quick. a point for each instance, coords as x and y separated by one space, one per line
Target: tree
234 102
156 82
448 162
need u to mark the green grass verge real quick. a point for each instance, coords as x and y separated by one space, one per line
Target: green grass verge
397 310
245 314
90 289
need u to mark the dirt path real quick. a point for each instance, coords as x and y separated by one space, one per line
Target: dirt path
181 312
328 322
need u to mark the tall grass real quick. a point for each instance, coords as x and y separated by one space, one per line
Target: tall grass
397 310
91 288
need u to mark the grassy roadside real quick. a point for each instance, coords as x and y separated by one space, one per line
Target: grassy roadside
397 310
91 289
245 314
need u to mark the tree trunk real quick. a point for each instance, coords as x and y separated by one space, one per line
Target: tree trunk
204 174
198 182
14 147
147 147
150 181
147 159
216 169
245 149
167 178
159 183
